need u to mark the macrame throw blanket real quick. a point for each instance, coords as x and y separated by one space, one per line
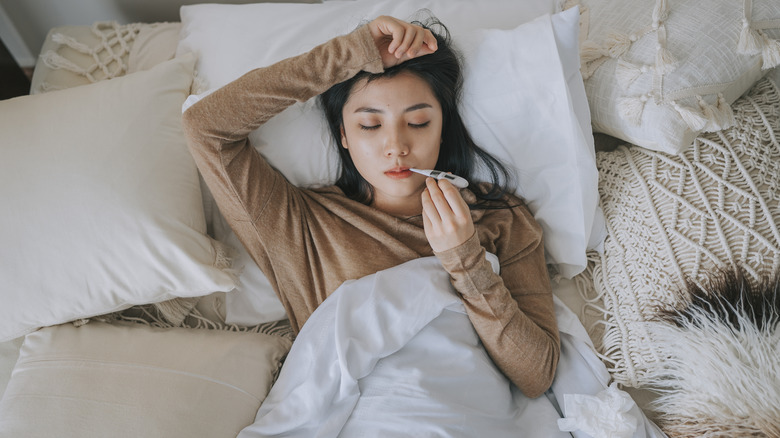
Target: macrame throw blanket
672 219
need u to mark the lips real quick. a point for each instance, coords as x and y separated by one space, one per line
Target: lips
399 173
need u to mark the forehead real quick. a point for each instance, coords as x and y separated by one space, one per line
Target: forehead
400 91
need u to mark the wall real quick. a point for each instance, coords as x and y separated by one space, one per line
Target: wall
24 24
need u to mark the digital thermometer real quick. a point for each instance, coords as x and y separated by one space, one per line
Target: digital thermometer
457 181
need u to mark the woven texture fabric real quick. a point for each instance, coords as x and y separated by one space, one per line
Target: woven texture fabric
672 218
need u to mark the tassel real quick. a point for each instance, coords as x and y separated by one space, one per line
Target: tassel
710 113
45 87
55 61
750 41
694 119
592 56
664 60
174 311
71 42
661 11
724 113
591 51
587 70
617 44
770 53
627 73
631 108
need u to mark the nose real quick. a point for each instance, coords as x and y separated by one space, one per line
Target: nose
396 144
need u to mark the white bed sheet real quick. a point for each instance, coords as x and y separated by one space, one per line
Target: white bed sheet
395 352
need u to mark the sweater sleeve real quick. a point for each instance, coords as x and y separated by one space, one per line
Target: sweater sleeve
218 125
513 313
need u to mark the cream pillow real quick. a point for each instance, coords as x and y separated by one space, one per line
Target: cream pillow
658 73
102 380
674 218
101 202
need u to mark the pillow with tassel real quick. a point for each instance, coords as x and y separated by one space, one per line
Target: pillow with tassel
659 73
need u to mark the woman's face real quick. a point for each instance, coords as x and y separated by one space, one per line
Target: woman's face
390 125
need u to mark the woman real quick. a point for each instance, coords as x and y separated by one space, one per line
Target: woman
391 98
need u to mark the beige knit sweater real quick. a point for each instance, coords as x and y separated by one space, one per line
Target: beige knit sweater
308 242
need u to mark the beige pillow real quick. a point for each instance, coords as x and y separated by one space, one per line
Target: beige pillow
658 73
671 218
102 380
102 208
154 44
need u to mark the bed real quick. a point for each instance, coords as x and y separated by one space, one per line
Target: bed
649 155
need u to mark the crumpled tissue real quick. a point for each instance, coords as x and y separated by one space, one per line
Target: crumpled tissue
604 415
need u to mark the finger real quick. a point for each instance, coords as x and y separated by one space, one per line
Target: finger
417 44
430 213
439 201
427 225
396 31
454 199
431 45
406 43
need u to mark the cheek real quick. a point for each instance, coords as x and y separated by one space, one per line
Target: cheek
362 154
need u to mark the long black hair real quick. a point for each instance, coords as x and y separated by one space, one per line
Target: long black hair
459 154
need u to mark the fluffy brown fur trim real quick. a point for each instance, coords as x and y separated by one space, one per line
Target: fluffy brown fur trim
721 376
733 298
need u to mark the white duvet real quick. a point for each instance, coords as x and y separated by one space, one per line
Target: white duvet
394 354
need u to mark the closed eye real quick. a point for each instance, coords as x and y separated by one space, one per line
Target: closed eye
419 125
369 128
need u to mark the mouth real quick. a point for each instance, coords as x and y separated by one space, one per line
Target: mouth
399 173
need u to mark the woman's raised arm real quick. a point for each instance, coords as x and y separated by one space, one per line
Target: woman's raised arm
218 125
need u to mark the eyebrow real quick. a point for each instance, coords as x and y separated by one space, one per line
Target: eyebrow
366 109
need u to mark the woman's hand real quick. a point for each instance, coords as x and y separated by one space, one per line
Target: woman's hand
446 217
399 41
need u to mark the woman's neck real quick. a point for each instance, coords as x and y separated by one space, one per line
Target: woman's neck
399 208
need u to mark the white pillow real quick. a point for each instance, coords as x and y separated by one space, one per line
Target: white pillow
232 39
101 202
527 107
102 380
658 73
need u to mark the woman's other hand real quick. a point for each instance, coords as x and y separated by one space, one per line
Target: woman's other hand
446 216
399 41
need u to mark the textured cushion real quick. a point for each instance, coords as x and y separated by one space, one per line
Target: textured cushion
81 55
101 380
552 150
673 218
657 73
101 202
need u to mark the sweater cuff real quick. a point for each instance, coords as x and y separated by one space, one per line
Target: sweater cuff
470 270
370 52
